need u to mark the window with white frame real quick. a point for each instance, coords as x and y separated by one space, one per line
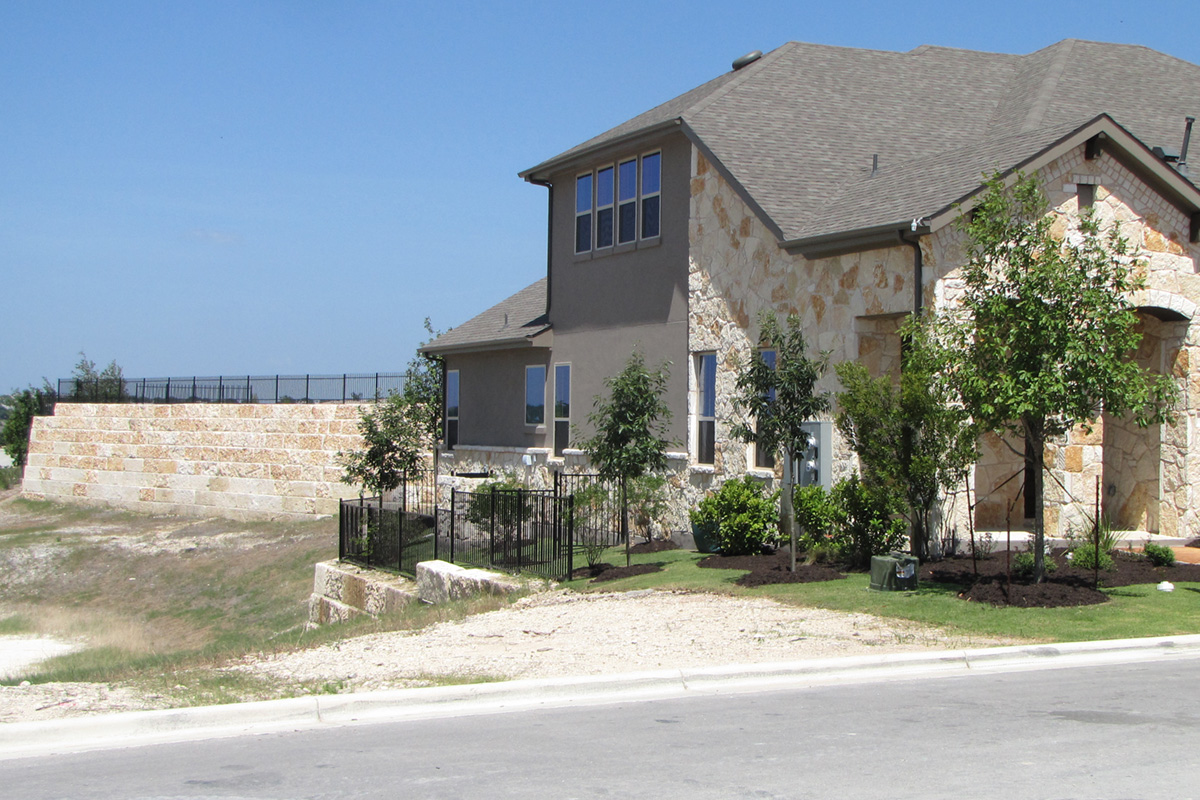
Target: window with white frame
618 205
765 459
451 435
706 407
562 408
535 395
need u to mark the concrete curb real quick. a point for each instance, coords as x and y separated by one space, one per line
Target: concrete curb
136 728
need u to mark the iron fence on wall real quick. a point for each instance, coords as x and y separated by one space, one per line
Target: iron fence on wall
344 388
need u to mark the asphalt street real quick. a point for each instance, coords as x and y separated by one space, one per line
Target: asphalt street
1118 731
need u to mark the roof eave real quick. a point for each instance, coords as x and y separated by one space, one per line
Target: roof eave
540 338
541 173
1112 138
875 237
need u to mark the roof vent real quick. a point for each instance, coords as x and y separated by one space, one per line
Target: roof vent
747 60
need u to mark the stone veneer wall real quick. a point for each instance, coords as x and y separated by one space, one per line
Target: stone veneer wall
239 461
848 305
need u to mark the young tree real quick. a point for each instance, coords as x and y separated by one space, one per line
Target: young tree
774 403
1044 331
912 440
14 436
394 441
423 387
107 384
631 426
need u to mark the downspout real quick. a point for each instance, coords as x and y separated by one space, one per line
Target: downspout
549 239
914 241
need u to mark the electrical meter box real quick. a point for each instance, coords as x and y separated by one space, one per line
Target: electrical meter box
895 572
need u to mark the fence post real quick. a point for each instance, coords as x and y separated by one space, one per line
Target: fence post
276 387
168 398
341 530
520 525
570 535
220 388
248 392
194 398
306 389
492 531
453 492
343 387
377 387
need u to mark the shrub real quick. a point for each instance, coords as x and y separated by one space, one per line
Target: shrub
509 505
746 518
868 521
816 512
1160 555
1083 556
1023 564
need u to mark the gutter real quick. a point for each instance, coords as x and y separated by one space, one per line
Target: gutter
560 162
549 239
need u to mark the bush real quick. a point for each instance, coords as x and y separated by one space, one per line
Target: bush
746 518
1022 565
868 521
815 512
1084 557
1160 555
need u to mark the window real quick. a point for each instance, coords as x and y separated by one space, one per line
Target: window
651 168
583 213
535 395
562 407
765 459
604 207
451 409
706 407
611 204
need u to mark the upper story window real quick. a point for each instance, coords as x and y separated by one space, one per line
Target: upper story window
618 205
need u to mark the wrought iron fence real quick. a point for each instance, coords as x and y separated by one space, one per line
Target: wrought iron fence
233 389
516 530
596 510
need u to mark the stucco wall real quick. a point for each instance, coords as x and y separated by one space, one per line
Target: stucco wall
239 461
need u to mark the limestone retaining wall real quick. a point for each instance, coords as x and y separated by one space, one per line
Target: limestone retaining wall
237 461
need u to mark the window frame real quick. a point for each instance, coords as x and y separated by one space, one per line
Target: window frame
765 460
706 424
644 196
588 212
450 421
588 227
528 406
599 207
563 441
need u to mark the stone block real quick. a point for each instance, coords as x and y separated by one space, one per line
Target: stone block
441 582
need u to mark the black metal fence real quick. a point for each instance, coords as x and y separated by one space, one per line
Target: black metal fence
596 510
515 530
233 389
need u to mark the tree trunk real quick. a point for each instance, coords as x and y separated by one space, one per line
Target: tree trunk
1035 429
625 522
787 514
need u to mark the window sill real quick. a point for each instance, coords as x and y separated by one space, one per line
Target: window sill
761 472
703 469
629 247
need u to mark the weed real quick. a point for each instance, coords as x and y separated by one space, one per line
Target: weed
1160 555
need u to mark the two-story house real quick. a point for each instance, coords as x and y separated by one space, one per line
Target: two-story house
825 181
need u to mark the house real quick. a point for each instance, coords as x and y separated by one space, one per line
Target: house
824 181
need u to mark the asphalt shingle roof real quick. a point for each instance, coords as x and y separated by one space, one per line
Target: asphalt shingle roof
510 322
797 129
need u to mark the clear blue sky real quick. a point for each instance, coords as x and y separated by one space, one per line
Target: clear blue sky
262 187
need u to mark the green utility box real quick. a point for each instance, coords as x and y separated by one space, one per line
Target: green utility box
896 572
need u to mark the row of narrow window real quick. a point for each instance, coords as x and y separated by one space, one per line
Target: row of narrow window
618 205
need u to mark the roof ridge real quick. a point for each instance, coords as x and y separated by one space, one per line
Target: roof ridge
1058 65
753 67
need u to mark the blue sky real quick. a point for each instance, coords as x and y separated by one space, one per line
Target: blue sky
269 187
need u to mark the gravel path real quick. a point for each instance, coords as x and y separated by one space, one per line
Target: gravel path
553 634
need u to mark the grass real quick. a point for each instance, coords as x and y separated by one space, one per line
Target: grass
1132 611
9 477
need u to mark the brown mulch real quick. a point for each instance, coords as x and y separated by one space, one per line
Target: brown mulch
653 546
604 571
763 570
1066 586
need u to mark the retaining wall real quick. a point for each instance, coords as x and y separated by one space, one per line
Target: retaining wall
237 461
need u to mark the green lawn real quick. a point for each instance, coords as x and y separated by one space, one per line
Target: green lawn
1131 611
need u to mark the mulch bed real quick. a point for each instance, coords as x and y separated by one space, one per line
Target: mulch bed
607 572
763 570
1066 586
653 546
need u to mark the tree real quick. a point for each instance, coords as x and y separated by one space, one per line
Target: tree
1042 337
91 384
774 403
14 436
393 446
912 440
631 426
422 388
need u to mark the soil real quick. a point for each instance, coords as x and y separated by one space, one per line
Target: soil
653 546
1193 543
763 570
1066 586
609 572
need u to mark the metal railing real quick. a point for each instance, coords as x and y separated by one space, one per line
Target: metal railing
515 530
344 388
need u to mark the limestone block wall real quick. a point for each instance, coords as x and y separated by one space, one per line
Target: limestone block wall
238 461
